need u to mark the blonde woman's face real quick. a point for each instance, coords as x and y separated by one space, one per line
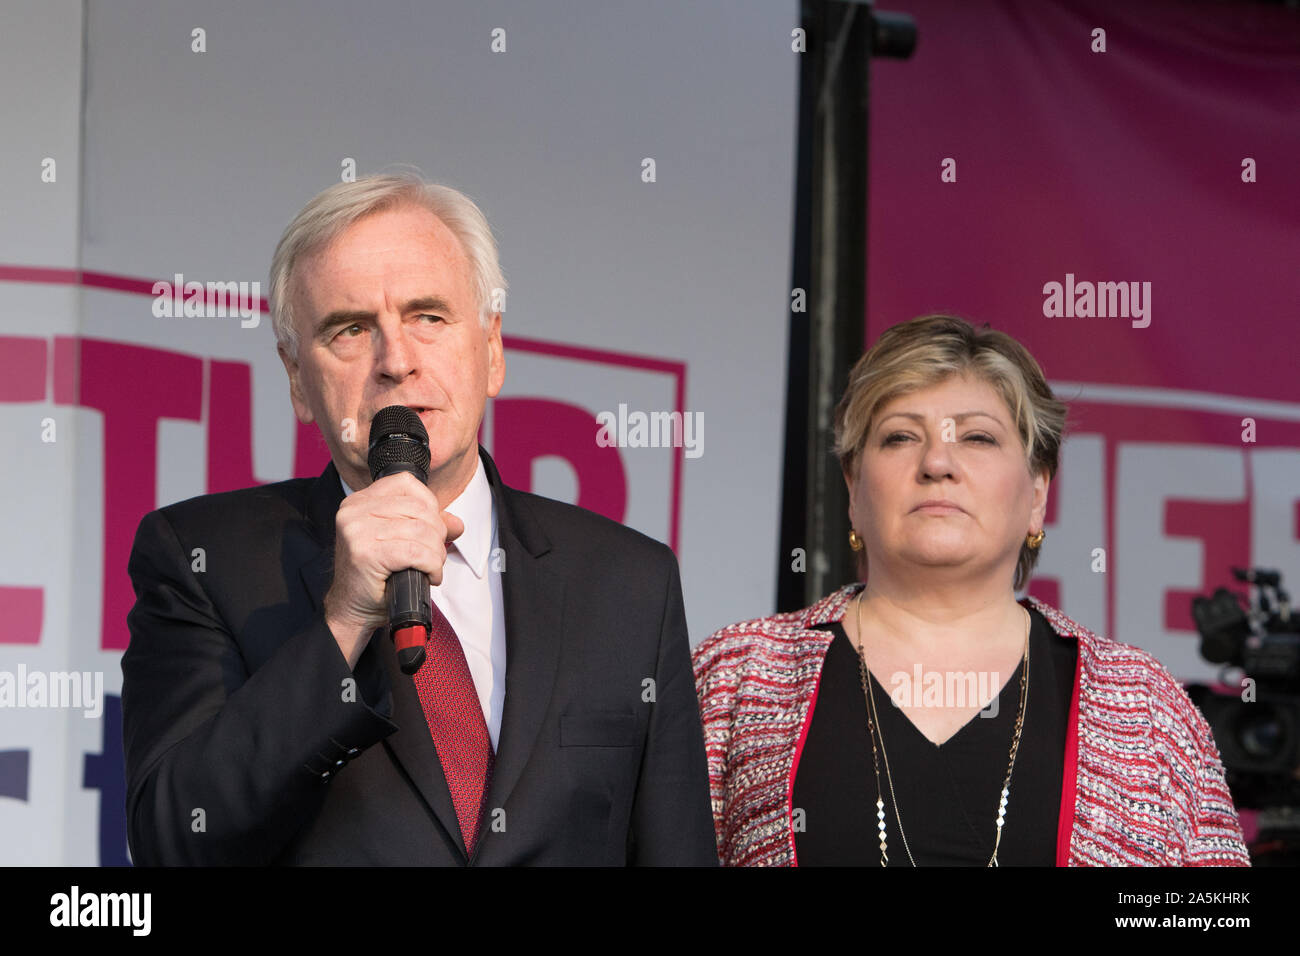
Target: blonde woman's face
954 441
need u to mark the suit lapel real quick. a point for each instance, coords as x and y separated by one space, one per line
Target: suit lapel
323 500
533 597
411 746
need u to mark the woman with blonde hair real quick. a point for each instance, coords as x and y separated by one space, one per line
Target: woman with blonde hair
927 717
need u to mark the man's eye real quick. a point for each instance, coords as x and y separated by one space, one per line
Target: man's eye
345 332
435 318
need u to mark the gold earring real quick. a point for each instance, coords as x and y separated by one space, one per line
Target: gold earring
855 542
1035 541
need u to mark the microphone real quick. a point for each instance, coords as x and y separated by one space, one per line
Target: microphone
398 442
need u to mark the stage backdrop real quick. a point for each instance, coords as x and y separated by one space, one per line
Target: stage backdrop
1007 156
636 161
1115 185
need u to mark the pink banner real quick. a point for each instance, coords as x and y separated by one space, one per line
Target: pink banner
1115 186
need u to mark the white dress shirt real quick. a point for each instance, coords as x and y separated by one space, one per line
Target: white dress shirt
470 596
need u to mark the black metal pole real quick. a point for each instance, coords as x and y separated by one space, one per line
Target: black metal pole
830 262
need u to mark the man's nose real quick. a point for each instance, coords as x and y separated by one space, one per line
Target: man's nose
396 353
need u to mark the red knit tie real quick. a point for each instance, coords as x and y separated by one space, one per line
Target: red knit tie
455 720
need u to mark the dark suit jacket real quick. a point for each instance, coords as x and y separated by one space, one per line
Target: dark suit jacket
249 741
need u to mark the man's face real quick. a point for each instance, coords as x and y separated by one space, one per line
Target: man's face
980 467
386 315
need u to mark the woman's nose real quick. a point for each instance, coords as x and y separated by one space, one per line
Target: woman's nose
936 459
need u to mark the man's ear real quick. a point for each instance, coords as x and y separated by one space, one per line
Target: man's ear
496 356
300 406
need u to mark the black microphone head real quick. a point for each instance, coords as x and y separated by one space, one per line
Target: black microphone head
397 436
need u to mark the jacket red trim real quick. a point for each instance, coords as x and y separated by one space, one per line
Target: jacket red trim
1070 777
794 765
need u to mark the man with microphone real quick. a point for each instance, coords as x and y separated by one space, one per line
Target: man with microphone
552 719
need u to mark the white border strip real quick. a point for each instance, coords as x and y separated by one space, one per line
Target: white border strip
1176 398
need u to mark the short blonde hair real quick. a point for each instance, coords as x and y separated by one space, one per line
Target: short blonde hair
930 349
338 207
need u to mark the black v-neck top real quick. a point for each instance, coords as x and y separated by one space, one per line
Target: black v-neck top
948 794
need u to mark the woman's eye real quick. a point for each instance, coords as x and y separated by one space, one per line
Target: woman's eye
979 438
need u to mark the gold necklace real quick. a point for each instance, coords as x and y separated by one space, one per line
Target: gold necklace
873 727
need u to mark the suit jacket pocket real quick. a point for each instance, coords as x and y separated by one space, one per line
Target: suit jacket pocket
598 729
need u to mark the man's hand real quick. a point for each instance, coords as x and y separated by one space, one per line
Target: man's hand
392 525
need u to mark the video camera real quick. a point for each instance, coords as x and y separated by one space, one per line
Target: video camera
1258 729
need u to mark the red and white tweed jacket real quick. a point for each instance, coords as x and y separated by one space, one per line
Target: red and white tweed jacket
1143 782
